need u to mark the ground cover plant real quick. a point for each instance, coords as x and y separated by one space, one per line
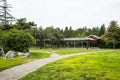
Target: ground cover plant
73 50
98 66
42 50
37 54
63 51
7 63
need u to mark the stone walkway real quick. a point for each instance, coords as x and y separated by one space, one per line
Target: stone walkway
19 71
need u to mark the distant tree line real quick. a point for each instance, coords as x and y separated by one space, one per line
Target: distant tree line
54 35
110 35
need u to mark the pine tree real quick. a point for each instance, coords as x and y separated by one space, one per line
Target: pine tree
102 30
112 34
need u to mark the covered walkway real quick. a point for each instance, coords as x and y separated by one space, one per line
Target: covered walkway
80 42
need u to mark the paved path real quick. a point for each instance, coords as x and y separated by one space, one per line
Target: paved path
19 71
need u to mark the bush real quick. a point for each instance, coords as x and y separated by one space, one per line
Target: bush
16 40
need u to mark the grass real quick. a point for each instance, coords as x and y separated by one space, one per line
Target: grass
7 63
71 51
100 66
64 51
41 50
38 55
34 54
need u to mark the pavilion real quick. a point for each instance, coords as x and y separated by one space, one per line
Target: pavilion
87 42
90 41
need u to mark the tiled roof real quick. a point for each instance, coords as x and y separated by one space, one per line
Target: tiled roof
77 39
93 36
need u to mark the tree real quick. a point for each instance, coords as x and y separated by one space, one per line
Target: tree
66 32
81 32
6 26
16 40
22 24
5 16
95 31
71 32
39 35
57 36
102 30
1 27
53 35
112 34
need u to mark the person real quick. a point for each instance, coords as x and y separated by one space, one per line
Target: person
87 47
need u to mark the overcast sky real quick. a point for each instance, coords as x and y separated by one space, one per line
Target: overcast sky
61 13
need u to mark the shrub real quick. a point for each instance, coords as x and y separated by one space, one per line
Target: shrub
16 40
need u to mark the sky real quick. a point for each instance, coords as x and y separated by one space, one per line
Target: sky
62 13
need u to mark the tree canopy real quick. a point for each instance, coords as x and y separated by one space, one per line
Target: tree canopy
16 40
113 34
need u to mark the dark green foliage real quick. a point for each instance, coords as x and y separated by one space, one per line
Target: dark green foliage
102 44
113 34
69 32
6 27
22 24
39 35
102 30
16 40
81 32
84 32
95 31
53 35
50 35
66 33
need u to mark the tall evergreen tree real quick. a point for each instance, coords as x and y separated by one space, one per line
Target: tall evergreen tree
112 34
22 24
102 30
95 31
66 32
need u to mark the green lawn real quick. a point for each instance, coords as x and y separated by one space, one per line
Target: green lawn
63 51
7 63
72 50
38 55
99 66
41 50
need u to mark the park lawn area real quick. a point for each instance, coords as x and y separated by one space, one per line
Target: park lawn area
7 63
98 66
38 55
63 51
41 50
73 50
